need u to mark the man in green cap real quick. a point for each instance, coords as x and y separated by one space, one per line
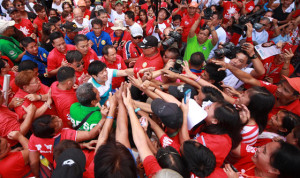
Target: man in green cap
116 14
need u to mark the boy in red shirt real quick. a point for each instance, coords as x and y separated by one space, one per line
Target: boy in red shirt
40 19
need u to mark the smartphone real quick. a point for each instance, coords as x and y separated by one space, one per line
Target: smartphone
187 95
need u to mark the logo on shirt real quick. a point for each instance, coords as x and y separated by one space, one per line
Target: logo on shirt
24 30
12 53
44 55
103 42
68 162
186 22
144 64
204 48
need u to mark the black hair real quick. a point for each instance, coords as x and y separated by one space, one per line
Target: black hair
42 128
287 160
152 7
220 15
27 65
64 3
238 50
85 94
73 56
212 94
289 122
228 122
174 51
296 135
101 11
198 159
214 74
38 7
25 41
55 10
97 22
106 48
55 35
130 14
64 73
54 19
169 158
4 4
62 146
176 17
80 37
95 67
261 102
2 64
145 12
197 59
114 160
46 30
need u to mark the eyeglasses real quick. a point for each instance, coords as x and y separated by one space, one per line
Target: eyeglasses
137 37
19 5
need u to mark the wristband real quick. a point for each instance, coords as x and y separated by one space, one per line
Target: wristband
198 78
137 109
109 117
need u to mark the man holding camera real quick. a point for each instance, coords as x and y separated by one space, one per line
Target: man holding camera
200 42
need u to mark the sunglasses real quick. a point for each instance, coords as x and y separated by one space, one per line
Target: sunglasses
137 37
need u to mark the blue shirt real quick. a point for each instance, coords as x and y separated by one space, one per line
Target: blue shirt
42 55
69 41
102 40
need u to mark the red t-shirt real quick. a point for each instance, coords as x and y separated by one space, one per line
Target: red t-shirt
118 64
87 14
150 28
55 57
151 166
273 70
13 165
249 6
182 13
229 9
213 143
187 23
21 94
39 22
154 61
167 141
107 28
114 38
63 99
9 122
45 145
217 173
89 57
245 164
131 50
25 26
294 107
145 6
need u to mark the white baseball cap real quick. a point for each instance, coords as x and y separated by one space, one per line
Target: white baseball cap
136 32
4 24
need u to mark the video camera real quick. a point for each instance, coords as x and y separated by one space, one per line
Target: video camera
228 50
252 18
174 36
177 66
208 13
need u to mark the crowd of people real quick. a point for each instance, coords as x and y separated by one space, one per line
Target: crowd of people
148 88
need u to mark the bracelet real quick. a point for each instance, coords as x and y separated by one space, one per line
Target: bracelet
154 90
109 117
40 97
137 109
197 79
49 106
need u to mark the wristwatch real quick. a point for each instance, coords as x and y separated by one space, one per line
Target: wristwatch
254 56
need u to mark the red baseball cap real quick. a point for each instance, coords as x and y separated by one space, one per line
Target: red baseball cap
294 82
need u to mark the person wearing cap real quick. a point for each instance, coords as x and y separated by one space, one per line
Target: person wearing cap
120 36
286 92
156 27
9 46
86 11
113 61
40 19
151 56
131 50
71 31
279 65
98 38
24 25
117 13
80 21
189 19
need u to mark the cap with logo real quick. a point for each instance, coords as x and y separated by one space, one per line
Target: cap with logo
71 27
149 41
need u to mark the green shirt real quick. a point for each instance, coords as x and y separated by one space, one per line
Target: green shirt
193 46
78 113
10 49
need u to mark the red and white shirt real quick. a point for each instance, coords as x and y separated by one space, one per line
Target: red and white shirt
187 23
229 9
131 50
245 164
250 134
150 29
25 26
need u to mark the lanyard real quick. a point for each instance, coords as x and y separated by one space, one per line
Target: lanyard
98 44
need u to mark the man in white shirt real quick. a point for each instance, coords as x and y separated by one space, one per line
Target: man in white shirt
117 13
129 19
80 21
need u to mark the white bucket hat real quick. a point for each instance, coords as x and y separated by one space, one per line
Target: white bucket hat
118 25
4 24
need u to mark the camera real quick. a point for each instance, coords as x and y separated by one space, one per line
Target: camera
208 13
177 66
228 51
252 18
174 36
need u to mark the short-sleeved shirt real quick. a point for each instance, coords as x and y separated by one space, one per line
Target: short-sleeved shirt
194 46
167 141
39 22
13 165
9 49
45 145
131 50
78 112
25 26
42 55
89 57
145 62
63 99
9 122
187 23
245 163
102 40
104 89
115 16
55 58
151 166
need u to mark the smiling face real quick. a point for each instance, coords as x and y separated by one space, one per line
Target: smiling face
101 77
240 61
